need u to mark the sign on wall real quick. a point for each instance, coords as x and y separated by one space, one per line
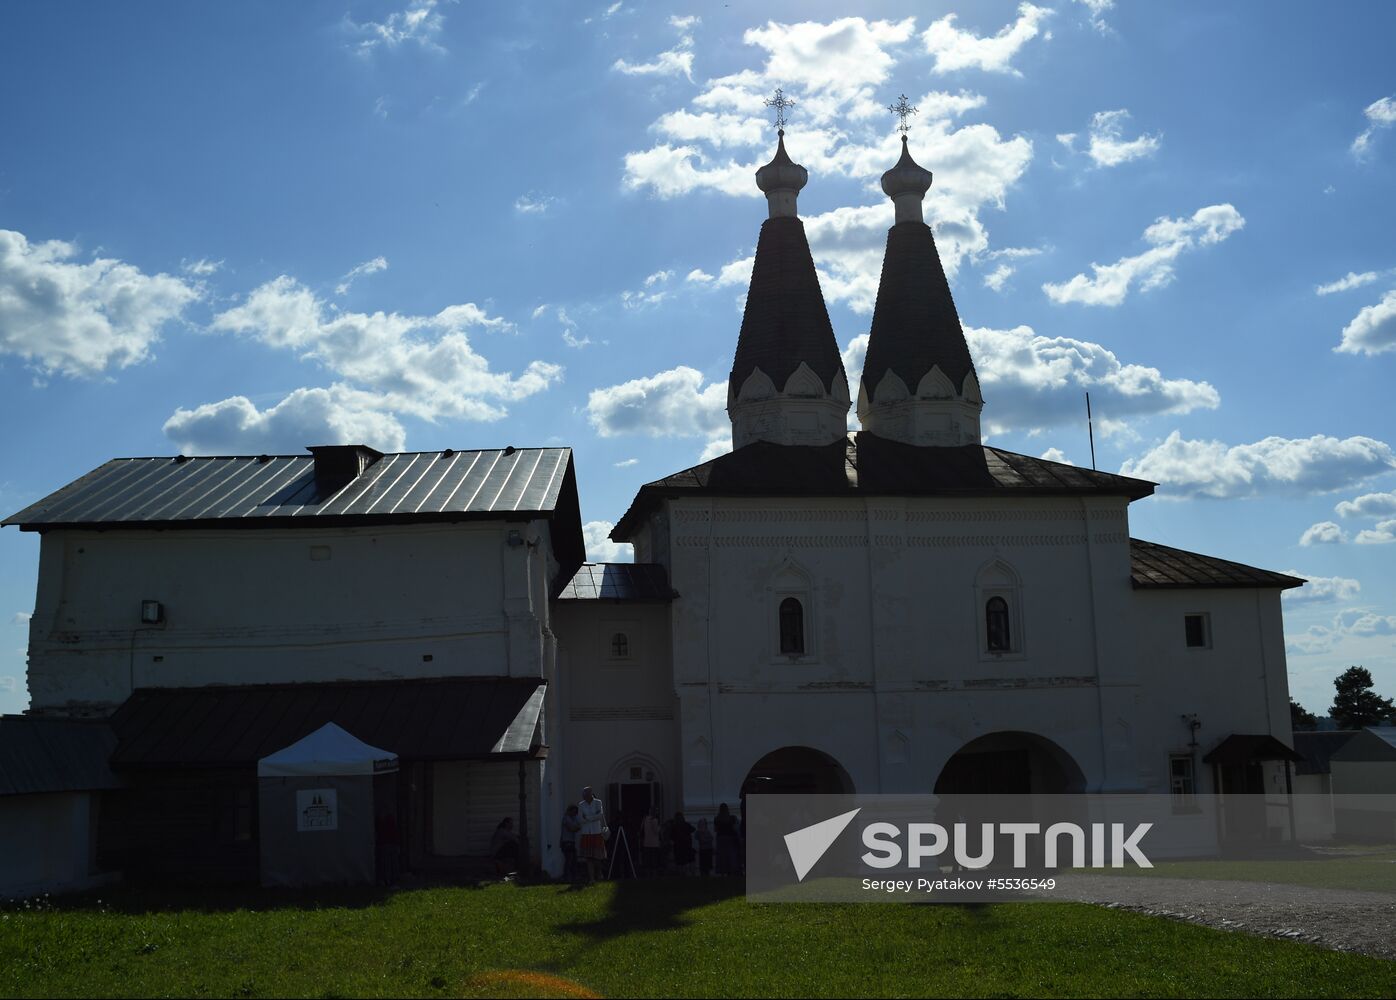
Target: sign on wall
316 809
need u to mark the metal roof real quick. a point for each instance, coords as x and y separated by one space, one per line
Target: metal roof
457 718
867 465
40 755
1318 748
1160 566
1371 743
281 489
618 582
1246 748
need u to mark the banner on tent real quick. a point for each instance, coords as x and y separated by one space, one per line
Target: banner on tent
317 809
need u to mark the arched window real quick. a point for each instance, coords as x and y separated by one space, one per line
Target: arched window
996 625
620 645
792 627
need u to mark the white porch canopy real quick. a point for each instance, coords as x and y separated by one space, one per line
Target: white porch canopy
329 750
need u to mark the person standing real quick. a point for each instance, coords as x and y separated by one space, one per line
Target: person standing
650 844
571 827
725 832
591 848
681 836
705 849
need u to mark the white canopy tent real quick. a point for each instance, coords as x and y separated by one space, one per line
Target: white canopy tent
327 751
319 801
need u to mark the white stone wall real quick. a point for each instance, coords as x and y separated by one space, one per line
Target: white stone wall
896 677
46 843
617 711
272 605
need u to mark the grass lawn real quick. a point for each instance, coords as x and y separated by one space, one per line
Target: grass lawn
659 938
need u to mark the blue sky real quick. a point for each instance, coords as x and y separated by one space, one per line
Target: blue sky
234 229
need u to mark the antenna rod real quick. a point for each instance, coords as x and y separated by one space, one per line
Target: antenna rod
1090 429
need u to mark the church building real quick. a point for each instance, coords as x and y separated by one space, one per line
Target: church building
901 608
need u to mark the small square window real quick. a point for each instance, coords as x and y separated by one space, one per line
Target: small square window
1195 629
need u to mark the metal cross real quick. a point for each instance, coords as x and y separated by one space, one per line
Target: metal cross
780 102
903 111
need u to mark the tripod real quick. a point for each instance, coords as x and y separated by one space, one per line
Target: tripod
620 843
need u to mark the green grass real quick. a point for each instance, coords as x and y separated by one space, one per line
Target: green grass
1369 872
661 938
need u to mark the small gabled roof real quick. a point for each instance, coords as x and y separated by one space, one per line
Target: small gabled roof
1154 566
1374 743
329 750
618 582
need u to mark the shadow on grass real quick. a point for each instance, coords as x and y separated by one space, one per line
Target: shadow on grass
654 904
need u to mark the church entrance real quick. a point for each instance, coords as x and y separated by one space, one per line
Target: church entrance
1010 763
797 771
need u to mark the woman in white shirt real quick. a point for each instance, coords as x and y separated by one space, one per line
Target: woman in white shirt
591 847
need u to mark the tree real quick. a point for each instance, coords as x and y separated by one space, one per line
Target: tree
1301 720
1356 705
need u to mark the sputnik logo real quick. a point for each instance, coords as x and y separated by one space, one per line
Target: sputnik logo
809 844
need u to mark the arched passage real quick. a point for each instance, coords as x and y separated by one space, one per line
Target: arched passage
797 771
1010 763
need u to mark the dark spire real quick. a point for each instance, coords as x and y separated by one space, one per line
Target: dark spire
916 329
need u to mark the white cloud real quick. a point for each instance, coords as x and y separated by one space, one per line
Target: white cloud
1153 268
658 278
1381 114
699 276
1098 9
1056 455
674 62
998 277
1368 505
1319 464
419 365
1032 382
626 463
1352 623
70 318
601 549
718 445
1323 533
1321 589
672 403
1348 281
954 49
418 22
1107 145
200 268
21 618
1382 534
539 311
337 415
1373 329
533 203
367 267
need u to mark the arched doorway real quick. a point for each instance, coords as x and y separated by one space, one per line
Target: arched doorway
1010 763
797 771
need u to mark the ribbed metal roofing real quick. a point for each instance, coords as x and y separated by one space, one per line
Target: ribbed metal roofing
618 582
39 755
396 487
1161 567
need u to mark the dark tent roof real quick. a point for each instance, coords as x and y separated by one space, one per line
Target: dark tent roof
458 718
914 325
1154 566
866 464
40 755
618 582
785 321
1249 748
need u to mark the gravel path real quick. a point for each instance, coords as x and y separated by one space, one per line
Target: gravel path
1341 919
